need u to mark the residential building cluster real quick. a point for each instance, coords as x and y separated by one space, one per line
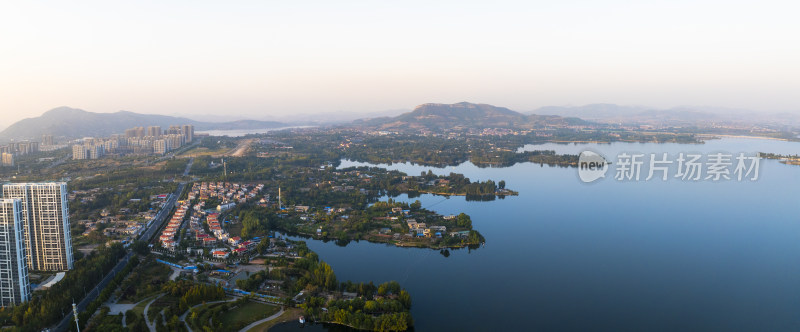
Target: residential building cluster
34 236
204 224
9 152
228 194
168 234
139 140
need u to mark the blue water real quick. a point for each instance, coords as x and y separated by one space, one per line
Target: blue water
243 132
607 256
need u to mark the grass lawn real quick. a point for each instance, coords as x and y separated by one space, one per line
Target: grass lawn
161 304
247 313
139 308
291 314
203 314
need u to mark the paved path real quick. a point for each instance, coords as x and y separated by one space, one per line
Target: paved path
122 308
176 272
151 326
188 167
256 323
243 147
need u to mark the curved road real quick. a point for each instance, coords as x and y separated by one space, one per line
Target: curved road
256 323
151 326
183 317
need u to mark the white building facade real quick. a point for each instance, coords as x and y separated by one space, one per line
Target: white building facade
45 214
15 286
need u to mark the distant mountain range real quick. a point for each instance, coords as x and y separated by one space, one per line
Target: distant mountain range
684 115
65 122
464 115
75 123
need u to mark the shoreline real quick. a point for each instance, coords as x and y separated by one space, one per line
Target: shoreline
395 243
290 314
510 193
712 136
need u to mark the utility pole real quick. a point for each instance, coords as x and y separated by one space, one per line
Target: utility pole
279 199
75 313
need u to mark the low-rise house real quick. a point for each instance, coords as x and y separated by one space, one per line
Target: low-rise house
439 228
209 241
220 254
169 244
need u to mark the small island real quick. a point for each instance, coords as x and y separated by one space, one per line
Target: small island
398 223
786 159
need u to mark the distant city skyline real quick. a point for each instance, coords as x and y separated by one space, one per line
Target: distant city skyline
261 60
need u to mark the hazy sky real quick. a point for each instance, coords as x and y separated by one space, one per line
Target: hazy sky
257 58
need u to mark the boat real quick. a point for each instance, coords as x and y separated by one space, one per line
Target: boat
302 320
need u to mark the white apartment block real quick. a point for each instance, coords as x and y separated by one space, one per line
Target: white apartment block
162 146
45 214
15 286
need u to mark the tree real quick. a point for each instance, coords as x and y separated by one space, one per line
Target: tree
405 298
140 247
502 184
463 220
371 306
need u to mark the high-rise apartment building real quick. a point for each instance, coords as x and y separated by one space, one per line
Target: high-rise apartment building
174 130
8 159
188 133
15 286
47 139
135 132
79 152
45 216
162 146
154 131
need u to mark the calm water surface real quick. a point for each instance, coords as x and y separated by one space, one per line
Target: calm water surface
607 256
243 132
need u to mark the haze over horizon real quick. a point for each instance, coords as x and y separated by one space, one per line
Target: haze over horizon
257 60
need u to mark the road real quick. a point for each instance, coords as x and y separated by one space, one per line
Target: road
188 167
59 162
259 322
67 321
243 147
183 317
161 216
150 326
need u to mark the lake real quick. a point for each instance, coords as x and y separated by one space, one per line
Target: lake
244 132
606 256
